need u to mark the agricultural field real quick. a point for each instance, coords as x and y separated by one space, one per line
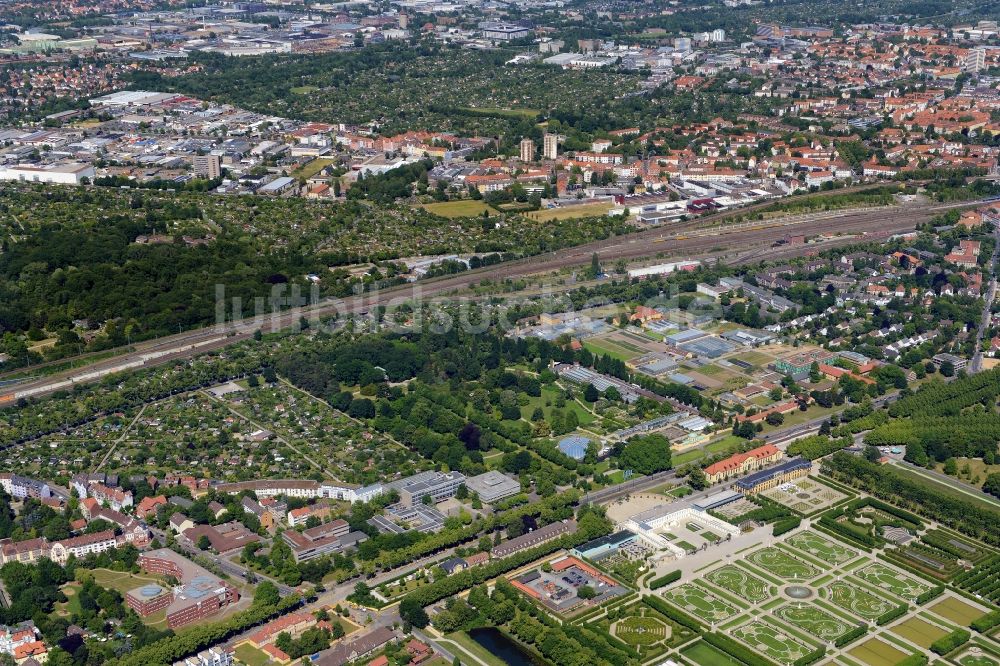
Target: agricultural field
813 620
701 603
769 640
781 564
858 601
821 548
740 582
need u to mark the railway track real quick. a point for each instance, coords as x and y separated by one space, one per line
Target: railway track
691 240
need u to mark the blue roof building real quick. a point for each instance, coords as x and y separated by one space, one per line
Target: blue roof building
575 447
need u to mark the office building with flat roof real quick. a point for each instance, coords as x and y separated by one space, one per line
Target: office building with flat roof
493 486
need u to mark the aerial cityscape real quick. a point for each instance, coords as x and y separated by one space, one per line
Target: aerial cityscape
486 332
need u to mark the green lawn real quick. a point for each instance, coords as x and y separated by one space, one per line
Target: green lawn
703 654
473 648
461 208
310 169
251 656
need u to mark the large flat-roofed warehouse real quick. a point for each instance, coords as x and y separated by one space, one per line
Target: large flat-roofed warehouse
493 486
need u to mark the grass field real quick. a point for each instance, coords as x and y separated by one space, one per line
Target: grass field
703 654
978 470
462 208
782 565
956 610
495 111
612 349
122 581
471 647
570 212
739 582
769 640
919 632
310 169
885 578
858 601
821 548
701 603
970 495
813 620
304 90
251 656
877 653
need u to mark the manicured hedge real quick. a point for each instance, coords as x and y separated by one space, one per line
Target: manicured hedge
810 658
737 650
986 622
786 525
664 580
889 616
932 593
951 641
912 660
851 636
677 616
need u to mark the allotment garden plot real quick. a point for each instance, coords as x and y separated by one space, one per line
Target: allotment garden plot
697 601
822 548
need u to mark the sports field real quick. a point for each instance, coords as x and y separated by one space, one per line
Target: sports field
821 548
641 630
769 640
779 563
919 632
569 212
701 603
957 611
887 579
813 620
857 601
740 582
877 653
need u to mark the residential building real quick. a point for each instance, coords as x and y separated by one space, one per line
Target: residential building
207 166
550 146
527 150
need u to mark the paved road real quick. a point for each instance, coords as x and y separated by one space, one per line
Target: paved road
977 358
677 241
